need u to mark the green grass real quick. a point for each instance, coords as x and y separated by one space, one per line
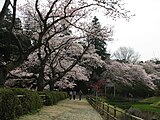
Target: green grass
156 104
151 100
123 105
146 107
151 104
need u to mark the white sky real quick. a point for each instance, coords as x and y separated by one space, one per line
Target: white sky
142 32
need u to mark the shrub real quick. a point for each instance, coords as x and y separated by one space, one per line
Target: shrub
17 101
64 95
61 95
52 97
8 104
58 96
30 102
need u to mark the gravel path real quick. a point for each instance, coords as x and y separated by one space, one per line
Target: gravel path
66 110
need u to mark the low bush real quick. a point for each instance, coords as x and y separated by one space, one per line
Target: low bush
119 101
61 95
117 98
12 106
17 101
52 97
8 104
29 102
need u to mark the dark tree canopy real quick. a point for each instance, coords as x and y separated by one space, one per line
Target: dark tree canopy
8 47
100 45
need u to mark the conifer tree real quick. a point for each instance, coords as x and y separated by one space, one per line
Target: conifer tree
100 45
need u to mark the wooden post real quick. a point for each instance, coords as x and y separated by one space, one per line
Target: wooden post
107 112
114 90
105 91
103 108
125 114
101 105
114 111
96 100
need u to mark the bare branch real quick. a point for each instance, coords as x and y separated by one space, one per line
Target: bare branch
14 14
4 10
50 10
39 13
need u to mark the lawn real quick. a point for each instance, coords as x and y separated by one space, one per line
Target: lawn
151 99
151 104
146 108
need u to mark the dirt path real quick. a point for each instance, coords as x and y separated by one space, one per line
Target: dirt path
66 110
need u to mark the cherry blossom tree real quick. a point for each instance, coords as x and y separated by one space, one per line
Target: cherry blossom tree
99 45
129 76
61 29
153 70
53 19
62 67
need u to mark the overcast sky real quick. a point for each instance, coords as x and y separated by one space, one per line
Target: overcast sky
142 32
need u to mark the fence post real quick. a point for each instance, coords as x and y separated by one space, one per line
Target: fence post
154 118
107 112
102 108
125 114
114 111
97 105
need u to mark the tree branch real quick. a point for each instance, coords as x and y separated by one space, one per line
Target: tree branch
14 14
4 10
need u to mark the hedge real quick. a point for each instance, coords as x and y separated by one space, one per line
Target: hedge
30 101
8 104
12 106
52 97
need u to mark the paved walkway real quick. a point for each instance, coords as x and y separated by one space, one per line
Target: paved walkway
66 110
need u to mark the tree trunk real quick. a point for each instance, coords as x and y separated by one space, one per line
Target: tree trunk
40 80
51 84
40 85
3 75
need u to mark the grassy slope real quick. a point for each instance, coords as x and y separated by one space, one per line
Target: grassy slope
153 105
66 110
151 99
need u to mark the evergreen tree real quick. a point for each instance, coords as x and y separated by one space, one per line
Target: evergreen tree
8 46
7 22
100 45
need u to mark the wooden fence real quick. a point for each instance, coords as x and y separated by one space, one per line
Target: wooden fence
110 112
